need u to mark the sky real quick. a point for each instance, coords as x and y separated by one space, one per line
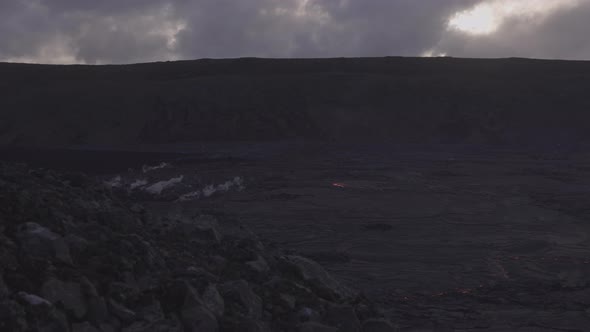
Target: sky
130 31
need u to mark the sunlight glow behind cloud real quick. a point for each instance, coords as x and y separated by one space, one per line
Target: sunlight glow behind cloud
487 17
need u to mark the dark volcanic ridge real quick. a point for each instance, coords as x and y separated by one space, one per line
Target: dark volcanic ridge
405 100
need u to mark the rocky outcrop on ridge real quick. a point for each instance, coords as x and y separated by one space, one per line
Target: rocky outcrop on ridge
74 256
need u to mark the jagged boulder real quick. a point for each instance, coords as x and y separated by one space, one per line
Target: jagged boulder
39 241
198 319
240 293
213 300
12 316
316 277
123 313
342 316
67 294
259 266
41 314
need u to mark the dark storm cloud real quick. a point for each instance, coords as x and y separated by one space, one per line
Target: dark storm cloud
313 28
65 31
115 31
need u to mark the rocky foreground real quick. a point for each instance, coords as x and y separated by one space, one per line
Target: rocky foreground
77 256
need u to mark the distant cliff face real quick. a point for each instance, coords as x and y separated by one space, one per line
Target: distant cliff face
399 99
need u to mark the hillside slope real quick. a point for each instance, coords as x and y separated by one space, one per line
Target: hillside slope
417 100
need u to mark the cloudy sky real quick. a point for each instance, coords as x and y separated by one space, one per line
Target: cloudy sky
127 31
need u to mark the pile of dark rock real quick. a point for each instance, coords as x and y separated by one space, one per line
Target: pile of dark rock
75 256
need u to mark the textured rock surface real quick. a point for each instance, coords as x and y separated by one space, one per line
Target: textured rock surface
480 240
317 277
76 258
378 325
